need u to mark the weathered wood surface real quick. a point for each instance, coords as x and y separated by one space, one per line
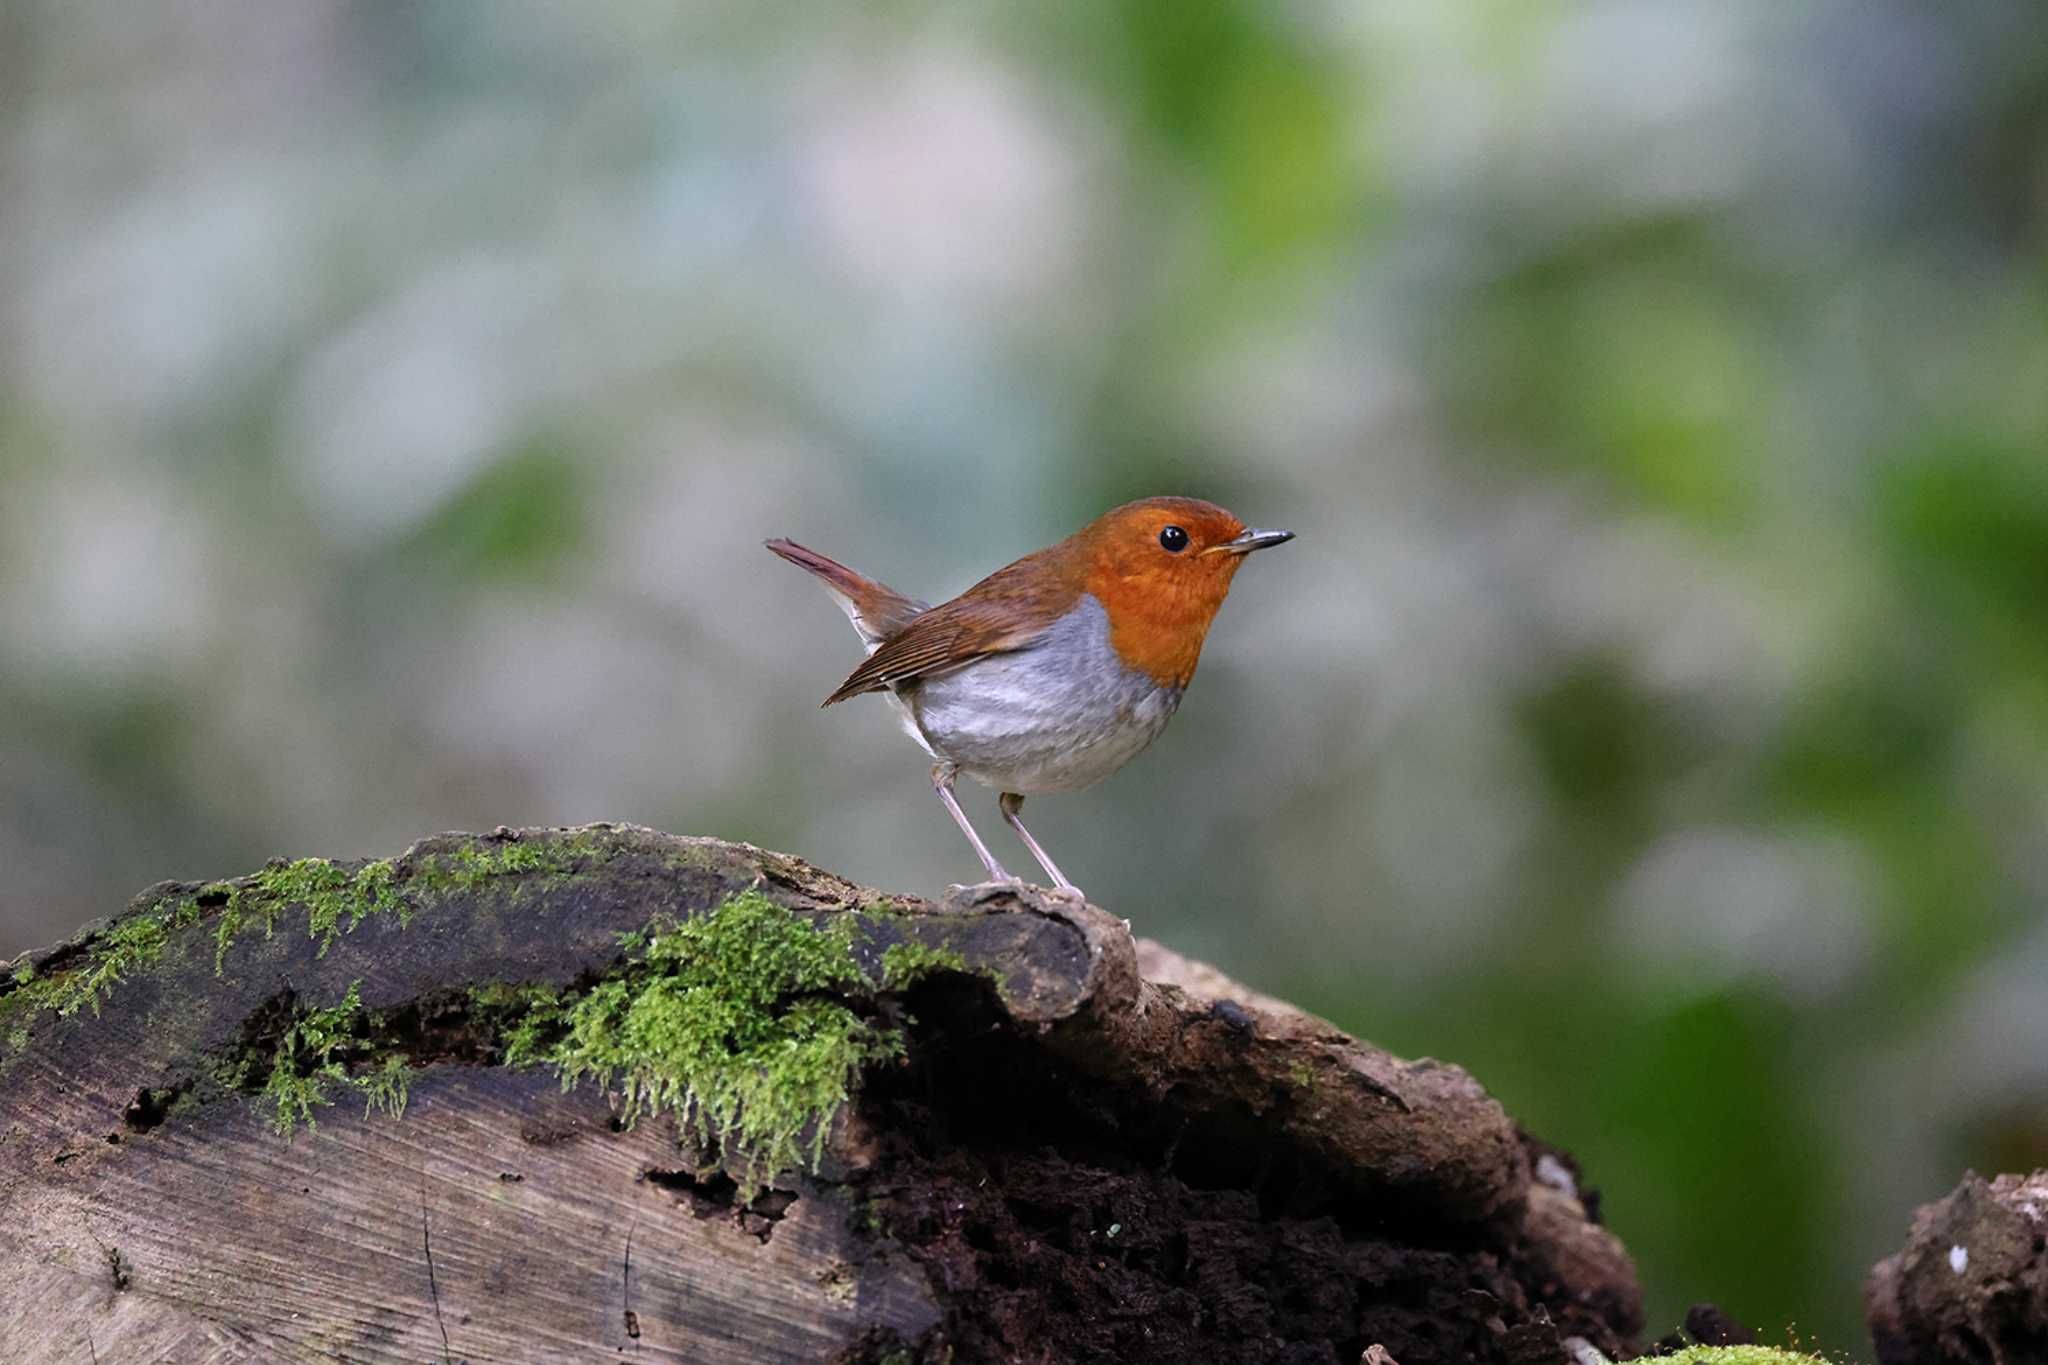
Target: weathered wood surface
1072 1161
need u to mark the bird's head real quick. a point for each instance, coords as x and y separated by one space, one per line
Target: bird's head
1161 567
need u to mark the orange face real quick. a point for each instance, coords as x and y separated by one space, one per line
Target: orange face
1161 567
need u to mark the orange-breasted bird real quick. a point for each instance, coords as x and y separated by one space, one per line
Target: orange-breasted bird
1055 671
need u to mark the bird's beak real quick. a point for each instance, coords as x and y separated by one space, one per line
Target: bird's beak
1251 540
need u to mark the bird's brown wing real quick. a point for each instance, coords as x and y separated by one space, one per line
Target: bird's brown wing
1005 611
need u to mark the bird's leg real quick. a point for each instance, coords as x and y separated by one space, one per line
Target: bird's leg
1011 804
942 783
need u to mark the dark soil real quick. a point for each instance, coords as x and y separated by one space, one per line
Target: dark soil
1065 1225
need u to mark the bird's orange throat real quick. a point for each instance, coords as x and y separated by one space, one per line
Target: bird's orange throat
1158 617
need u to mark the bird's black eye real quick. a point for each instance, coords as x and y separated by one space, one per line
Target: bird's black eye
1173 540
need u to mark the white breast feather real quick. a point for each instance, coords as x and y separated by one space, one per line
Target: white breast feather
1060 714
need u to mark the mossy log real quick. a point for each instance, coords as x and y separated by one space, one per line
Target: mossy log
610 1093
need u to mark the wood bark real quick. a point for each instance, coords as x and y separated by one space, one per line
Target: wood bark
1970 1287
1092 1150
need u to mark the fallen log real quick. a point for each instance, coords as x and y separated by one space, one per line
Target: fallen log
557 1094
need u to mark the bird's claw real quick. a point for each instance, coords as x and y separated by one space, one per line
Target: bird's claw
966 897
981 893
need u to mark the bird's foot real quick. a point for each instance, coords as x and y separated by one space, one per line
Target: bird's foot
959 897
981 893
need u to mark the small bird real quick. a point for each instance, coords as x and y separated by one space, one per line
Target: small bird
1055 671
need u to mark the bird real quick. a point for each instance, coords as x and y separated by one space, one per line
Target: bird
1056 670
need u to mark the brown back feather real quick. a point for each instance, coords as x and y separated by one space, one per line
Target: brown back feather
1005 611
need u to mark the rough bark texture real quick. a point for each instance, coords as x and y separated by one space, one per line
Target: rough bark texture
1971 1285
1090 1149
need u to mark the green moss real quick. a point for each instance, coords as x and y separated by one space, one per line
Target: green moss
525 1018
905 964
312 1058
1741 1355
335 899
305 1064
389 1087
224 931
129 946
295 1098
749 1023
734 1021
472 866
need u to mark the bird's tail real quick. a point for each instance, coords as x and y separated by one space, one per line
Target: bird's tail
876 610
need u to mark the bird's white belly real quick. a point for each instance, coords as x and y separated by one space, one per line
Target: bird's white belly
1062 714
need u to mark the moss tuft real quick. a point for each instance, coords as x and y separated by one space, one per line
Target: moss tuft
305 1064
312 1057
905 964
734 1021
524 1018
470 867
336 900
224 931
474 866
131 945
388 1088
1741 1355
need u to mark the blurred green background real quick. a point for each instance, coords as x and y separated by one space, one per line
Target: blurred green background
1652 717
